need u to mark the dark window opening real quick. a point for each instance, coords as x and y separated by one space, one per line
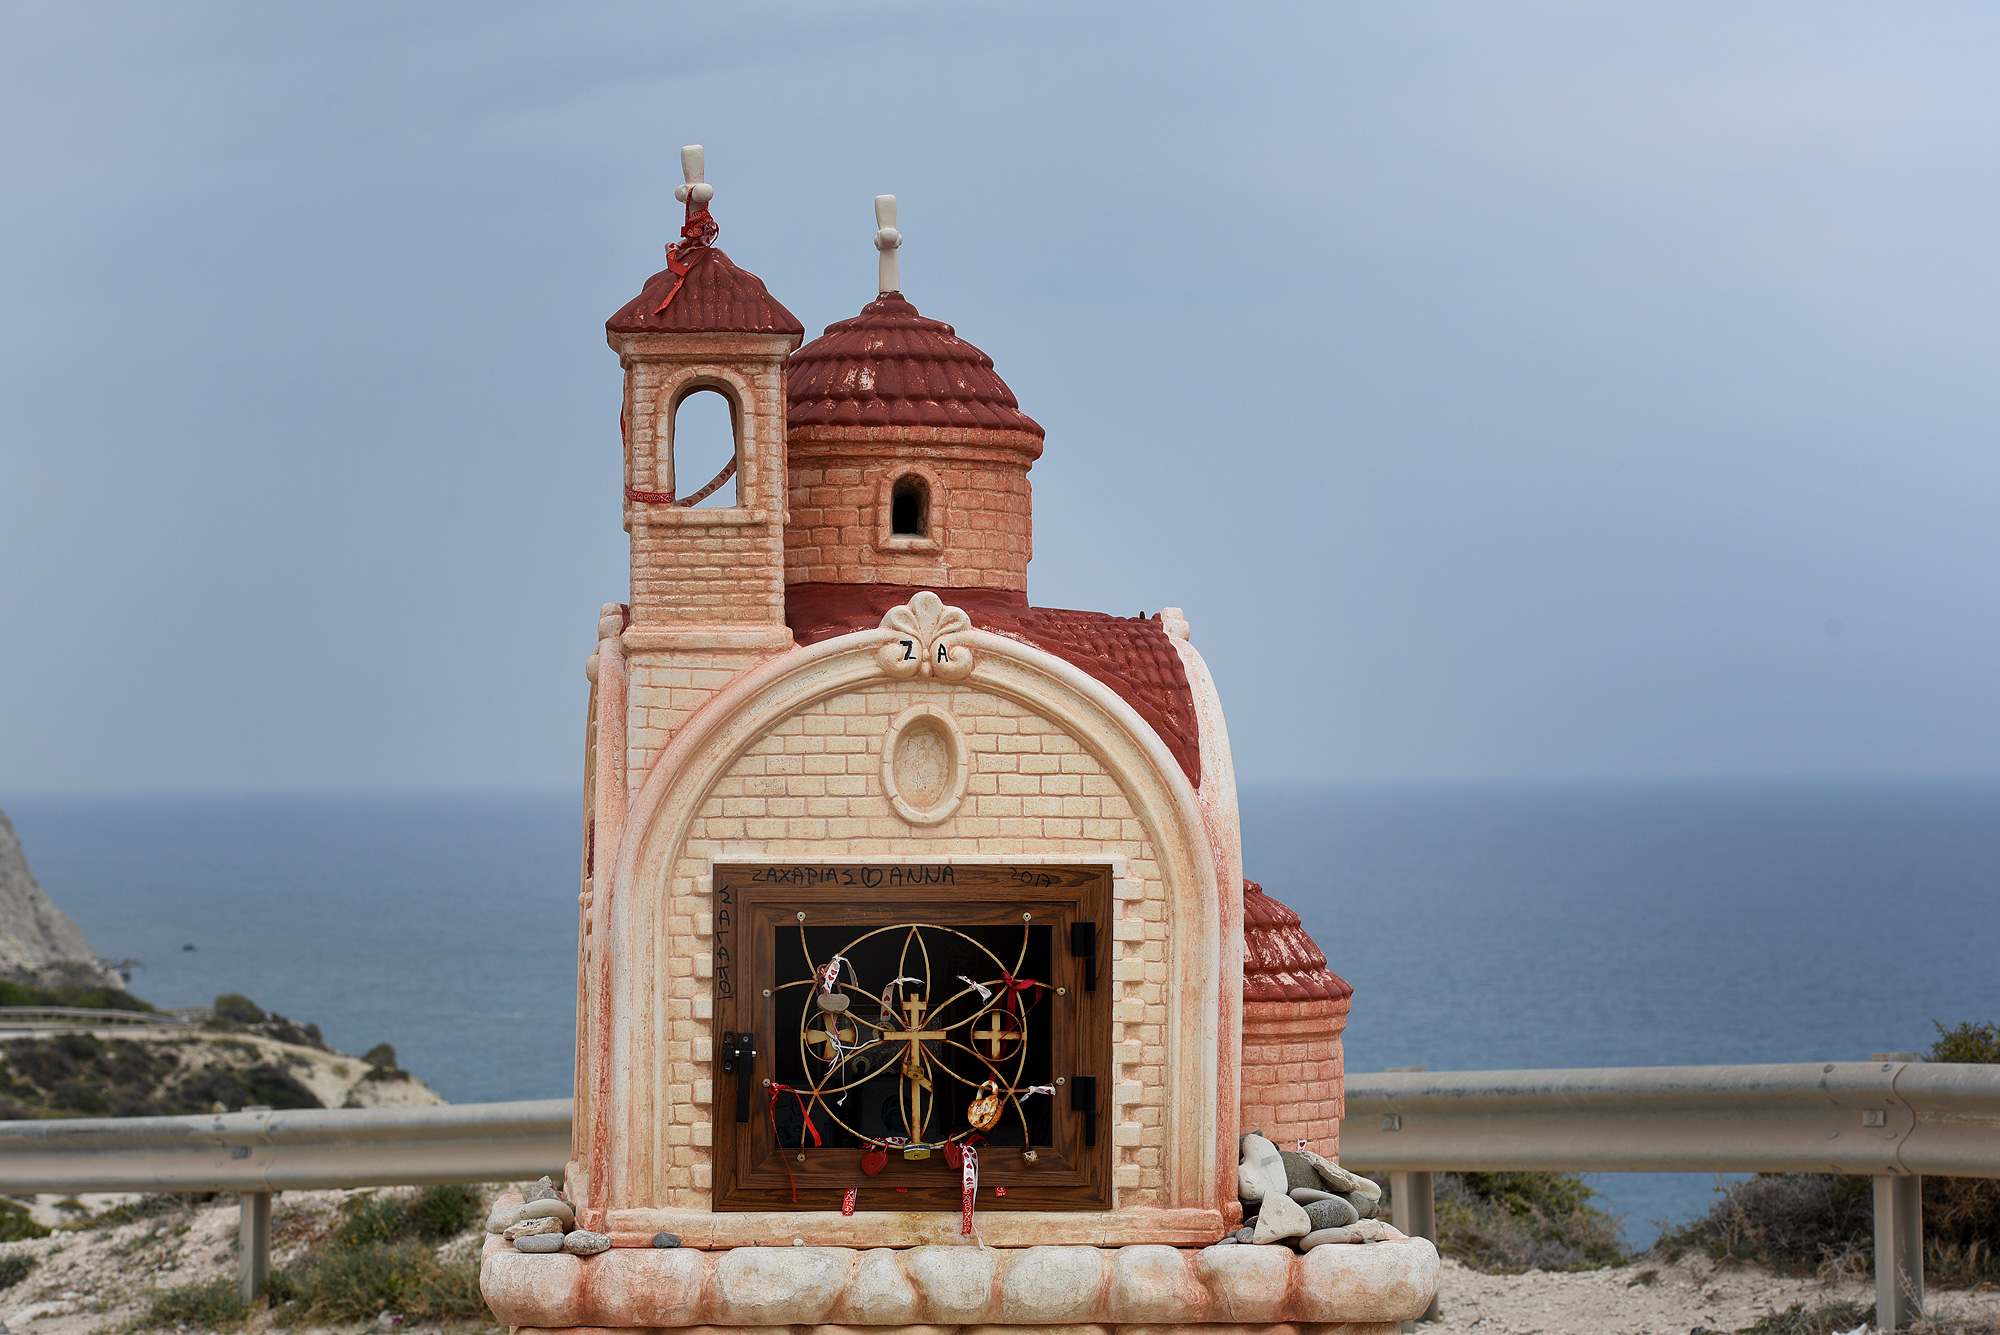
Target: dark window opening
910 508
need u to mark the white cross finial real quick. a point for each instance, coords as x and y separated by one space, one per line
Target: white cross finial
887 238
692 167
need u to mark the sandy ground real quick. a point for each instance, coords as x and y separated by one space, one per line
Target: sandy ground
1676 1299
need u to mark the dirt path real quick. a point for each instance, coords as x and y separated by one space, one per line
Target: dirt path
1649 1298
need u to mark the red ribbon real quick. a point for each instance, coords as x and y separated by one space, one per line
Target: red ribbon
1010 987
776 1089
696 233
969 1183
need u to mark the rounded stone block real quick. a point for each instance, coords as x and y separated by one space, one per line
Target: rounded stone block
774 1286
954 1283
1252 1284
1152 1284
1051 1285
878 1294
630 1287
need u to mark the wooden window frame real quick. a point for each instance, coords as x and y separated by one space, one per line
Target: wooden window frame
753 902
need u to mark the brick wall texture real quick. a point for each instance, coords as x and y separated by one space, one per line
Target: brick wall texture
980 516
811 789
1292 1072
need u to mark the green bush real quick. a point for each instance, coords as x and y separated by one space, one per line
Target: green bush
1505 1223
1826 1319
14 1268
16 1223
88 998
433 1214
147 1207
218 1302
381 1057
354 1282
238 1009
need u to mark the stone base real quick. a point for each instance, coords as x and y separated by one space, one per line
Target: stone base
1285 1328
1271 1290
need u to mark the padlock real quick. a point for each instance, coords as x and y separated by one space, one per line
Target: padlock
833 1001
983 1113
875 1159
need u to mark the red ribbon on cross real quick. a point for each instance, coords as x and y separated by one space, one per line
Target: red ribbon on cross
1011 987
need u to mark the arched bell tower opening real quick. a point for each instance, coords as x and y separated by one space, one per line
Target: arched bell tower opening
705 441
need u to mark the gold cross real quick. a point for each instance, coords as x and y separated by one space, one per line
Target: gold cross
829 1037
995 1034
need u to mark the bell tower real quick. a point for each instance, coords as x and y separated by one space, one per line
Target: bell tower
708 581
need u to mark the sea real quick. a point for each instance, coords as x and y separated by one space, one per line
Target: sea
1483 925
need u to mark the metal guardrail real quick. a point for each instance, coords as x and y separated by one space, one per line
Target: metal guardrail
79 1017
255 1153
1895 1121
288 1149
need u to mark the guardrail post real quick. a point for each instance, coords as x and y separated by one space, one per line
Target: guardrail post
1415 1210
253 1238
1899 1250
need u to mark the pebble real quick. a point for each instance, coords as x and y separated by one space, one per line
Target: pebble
1299 1171
1307 1195
1363 1206
666 1239
541 1190
583 1242
1340 1179
506 1216
548 1209
1335 1212
1366 1230
534 1228
1262 1160
539 1242
1280 1217
1245 1233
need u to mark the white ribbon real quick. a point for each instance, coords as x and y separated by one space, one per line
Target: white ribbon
985 992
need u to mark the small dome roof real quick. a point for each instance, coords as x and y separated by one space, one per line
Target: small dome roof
717 298
1280 962
891 367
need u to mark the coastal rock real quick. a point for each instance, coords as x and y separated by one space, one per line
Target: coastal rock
532 1228
666 1239
38 941
1336 1212
1281 1217
539 1242
585 1243
1307 1195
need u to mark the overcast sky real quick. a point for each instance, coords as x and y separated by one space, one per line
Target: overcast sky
1535 390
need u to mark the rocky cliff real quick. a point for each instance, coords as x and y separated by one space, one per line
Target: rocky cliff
38 942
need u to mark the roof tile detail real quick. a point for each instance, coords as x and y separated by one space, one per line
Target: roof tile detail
717 298
891 367
1131 655
1280 962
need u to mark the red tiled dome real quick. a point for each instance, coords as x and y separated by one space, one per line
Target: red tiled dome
891 367
1280 962
717 298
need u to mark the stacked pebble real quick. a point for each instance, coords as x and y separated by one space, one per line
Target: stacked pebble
1304 1199
544 1222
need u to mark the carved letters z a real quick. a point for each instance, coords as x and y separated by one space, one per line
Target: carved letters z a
928 640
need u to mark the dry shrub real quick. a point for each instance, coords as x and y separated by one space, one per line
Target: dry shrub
1509 1222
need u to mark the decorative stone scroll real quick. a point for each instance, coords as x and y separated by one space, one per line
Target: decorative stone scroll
927 640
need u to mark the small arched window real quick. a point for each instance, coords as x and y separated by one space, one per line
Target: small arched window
910 507
704 445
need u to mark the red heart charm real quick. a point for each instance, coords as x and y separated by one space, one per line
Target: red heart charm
875 1160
